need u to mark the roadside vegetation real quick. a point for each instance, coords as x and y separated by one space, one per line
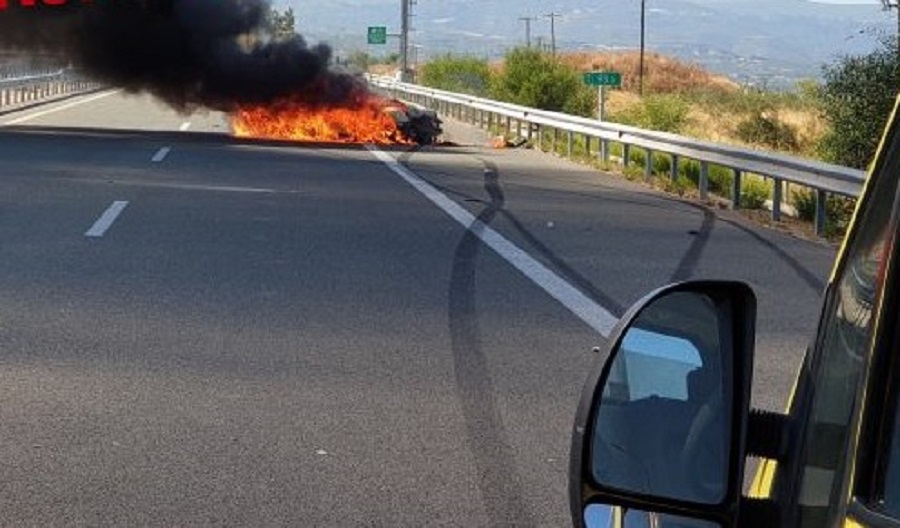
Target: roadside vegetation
838 120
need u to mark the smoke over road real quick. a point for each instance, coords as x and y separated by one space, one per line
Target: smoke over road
217 54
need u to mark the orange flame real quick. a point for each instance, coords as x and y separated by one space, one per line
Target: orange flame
367 120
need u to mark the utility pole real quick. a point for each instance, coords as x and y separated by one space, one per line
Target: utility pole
643 32
527 21
553 17
404 40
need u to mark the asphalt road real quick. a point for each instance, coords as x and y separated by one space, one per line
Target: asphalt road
270 334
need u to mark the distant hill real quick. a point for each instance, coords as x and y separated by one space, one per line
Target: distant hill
753 41
661 73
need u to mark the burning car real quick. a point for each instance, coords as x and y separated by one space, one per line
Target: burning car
368 118
419 125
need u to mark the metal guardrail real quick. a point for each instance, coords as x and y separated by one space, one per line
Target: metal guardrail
21 89
824 178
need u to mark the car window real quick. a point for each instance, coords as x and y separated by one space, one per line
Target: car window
846 333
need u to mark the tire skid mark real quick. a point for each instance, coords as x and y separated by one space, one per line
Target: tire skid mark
487 439
691 257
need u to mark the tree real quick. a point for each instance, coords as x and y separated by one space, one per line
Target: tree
857 98
464 74
894 4
532 78
282 23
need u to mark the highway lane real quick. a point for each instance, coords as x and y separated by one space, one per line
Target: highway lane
273 334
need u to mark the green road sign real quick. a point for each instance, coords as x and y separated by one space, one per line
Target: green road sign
377 35
603 79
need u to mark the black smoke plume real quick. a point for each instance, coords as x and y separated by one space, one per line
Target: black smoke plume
218 54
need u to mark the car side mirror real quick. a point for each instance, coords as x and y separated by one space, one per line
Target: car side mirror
661 428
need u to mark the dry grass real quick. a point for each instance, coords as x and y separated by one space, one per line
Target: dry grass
711 122
810 125
661 74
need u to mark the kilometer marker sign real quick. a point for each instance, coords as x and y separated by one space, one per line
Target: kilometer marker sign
602 80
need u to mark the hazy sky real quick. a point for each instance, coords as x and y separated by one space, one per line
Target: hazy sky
870 2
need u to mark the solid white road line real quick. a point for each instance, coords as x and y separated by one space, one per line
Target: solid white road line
586 309
184 126
35 115
161 154
106 219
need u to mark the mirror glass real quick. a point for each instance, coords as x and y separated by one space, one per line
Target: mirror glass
603 516
663 421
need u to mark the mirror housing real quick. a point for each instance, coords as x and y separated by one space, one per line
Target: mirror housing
662 422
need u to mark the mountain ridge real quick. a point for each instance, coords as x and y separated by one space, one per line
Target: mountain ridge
761 41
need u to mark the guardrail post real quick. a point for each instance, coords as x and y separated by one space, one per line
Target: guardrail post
776 199
704 181
821 211
508 124
736 189
674 171
531 131
570 147
604 149
648 164
518 128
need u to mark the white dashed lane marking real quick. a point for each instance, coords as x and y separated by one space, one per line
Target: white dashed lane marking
106 219
161 154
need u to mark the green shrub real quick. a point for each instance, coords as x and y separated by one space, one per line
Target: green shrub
633 172
582 102
463 74
767 130
720 180
637 157
839 213
690 170
532 78
838 210
754 193
662 112
857 99
662 164
804 203
679 185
